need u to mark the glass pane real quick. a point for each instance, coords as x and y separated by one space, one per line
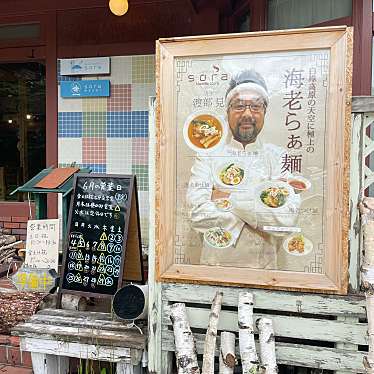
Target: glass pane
25 31
287 14
22 125
244 23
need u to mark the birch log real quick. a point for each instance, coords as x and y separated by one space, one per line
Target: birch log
267 345
73 302
211 335
247 345
227 353
185 347
367 274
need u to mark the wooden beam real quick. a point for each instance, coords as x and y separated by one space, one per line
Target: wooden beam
51 103
362 104
224 6
347 21
362 17
258 15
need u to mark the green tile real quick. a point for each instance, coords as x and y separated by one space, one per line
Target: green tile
94 124
96 104
141 172
143 69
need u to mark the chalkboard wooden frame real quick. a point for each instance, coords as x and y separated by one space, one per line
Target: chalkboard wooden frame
132 207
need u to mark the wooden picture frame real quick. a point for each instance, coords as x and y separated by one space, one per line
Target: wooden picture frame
334 42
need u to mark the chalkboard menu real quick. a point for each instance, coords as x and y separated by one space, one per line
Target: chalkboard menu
101 250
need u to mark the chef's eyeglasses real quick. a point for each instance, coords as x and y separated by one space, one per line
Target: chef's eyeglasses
253 107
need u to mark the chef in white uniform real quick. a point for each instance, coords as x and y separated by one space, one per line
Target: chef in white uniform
253 226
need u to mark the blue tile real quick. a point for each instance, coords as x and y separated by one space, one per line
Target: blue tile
95 168
70 124
127 124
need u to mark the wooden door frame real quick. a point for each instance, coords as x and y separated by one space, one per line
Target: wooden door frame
41 49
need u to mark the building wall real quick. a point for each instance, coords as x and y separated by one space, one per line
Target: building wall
110 135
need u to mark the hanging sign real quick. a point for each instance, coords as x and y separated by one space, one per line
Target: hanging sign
103 235
85 66
91 88
42 244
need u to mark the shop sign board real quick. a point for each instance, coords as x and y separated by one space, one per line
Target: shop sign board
42 241
103 245
85 66
85 88
252 164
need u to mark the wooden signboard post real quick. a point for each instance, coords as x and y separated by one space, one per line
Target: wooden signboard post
104 245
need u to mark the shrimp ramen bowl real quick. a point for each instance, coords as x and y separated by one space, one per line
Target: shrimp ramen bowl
204 132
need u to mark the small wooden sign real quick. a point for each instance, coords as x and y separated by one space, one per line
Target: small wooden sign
35 280
42 244
104 244
56 177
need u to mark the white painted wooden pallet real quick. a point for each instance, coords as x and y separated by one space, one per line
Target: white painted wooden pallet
311 330
54 335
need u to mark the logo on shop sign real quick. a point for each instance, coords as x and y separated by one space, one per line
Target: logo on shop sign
85 88
75 89
85 66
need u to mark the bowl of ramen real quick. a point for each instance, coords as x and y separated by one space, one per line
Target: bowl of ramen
274 194
204 132
219 238
230 173
223 204
297 245
299 183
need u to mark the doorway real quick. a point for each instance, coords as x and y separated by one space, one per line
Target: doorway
22 125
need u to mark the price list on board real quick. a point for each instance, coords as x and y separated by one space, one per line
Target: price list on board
98 226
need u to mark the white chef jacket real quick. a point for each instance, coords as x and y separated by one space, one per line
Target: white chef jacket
253 246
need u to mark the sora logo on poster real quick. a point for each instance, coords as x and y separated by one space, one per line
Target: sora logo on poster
250 160
208 78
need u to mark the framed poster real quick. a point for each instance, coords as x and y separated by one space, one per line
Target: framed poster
252 157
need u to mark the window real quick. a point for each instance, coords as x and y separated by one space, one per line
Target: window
20 31
244 22
287 14
22 124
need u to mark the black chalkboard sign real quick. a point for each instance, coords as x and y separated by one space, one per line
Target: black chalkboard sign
103 245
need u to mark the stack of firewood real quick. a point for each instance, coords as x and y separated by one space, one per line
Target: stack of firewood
16 307
7 245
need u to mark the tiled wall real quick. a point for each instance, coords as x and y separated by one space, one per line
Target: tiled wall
110 135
